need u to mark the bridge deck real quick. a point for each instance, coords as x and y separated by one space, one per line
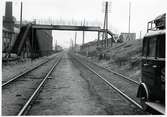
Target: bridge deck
66 27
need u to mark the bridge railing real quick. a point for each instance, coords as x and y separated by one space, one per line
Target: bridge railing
67 22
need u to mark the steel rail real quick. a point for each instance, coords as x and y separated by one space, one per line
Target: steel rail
25 72
27 104
111 85
21 74
128 78
16 76
123 76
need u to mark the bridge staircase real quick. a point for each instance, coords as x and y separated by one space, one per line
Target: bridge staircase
26 42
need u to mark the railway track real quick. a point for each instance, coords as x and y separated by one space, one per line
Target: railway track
126 86
114 72
17 76
25 87
116 84
26 106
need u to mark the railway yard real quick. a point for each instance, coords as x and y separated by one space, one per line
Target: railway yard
93 67
69 84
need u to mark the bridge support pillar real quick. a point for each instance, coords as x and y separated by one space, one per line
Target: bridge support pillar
98 38
83 41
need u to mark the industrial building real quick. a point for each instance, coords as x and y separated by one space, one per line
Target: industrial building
32 43
9 30
37 43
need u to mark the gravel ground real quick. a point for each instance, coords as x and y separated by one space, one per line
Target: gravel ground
130 88
110 98
67 93
124 85
15 95
134 74
70 90
11 69
73 90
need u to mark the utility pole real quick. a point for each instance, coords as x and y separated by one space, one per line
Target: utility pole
21 11
75 38
69 43
56 45
83 41
105 26
106 18
98 38
129 18
140 34
72 44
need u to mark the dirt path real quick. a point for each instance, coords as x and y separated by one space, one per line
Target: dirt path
67 93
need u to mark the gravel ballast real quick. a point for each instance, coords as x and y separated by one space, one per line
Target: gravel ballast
15 94
13 68
66 93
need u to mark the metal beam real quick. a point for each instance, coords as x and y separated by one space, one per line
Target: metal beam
66 27
98 38
23 40
109 32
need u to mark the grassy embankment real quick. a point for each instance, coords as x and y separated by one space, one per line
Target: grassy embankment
124 58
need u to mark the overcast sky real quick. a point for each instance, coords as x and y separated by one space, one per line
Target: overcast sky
142 11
